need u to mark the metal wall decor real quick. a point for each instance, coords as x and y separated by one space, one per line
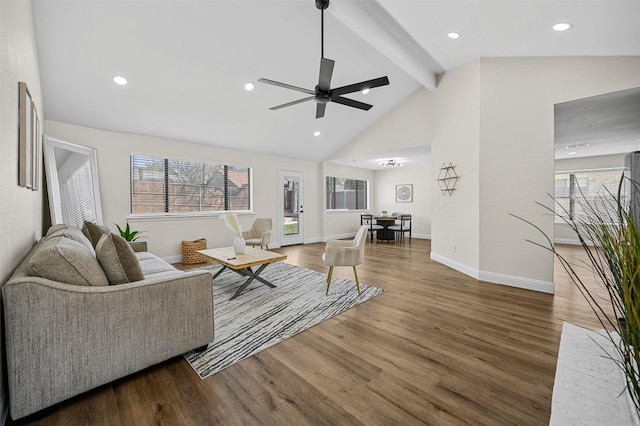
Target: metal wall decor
447 178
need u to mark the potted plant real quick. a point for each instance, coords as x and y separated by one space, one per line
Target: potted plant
610 238
131 237
127 233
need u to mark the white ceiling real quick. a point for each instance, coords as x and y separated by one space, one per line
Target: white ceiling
187 61
598 125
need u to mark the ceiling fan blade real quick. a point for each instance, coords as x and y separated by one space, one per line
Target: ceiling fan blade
320 110
326 71
287 86
351 103
357 87
299 101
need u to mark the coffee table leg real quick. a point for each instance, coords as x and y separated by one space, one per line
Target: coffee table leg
219 272
248 272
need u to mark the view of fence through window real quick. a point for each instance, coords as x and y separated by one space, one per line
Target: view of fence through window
162 185
349 194
596 187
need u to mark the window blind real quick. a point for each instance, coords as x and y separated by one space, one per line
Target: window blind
77 190
164 185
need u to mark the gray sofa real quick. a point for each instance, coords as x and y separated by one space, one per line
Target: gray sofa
64 338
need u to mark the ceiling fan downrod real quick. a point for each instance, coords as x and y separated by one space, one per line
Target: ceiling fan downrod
322 5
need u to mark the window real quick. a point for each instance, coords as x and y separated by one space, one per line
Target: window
163 185
595 187
346 194
77 194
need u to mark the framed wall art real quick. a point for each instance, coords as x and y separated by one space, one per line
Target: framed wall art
25 135
404 193
29 139
35 148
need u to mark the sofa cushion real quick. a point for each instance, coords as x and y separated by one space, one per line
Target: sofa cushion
155 267
93 232
63 259
118 260
74 233
55 228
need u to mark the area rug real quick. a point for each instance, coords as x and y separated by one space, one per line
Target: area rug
262 316
589 387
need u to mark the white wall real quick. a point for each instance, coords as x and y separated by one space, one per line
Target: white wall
517 157
164 235
420 209
405 126
20 208
493 120
455 110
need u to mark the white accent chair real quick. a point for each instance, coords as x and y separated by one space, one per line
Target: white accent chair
259 234
345 253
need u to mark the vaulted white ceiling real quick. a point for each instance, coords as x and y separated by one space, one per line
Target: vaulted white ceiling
187 61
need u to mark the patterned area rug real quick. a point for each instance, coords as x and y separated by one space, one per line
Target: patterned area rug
261 316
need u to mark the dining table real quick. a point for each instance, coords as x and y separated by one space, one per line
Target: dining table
385 234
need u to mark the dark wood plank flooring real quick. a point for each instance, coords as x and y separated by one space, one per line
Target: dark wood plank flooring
437 348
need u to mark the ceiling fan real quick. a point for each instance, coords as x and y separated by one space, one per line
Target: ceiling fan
323 93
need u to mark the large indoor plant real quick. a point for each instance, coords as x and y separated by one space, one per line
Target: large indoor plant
610 238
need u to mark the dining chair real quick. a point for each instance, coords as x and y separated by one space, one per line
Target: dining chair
345 253
368 220
259 234
403 227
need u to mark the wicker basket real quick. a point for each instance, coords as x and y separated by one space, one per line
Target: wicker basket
190 253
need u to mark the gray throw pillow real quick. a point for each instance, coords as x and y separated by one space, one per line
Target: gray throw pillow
118 260
63 259
93 232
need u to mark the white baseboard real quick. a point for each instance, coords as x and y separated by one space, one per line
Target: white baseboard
493 277
460 267
520 282
566 241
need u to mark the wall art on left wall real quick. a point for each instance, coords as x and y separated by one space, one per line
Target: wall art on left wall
29 139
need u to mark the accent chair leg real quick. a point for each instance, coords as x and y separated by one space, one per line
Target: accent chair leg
329 278
355 272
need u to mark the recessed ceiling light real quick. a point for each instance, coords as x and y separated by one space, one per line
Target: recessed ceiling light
562 26
316 133
120 80
453 35
249 87
571 153
365 91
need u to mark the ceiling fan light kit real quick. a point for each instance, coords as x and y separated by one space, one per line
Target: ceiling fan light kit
391 163
323 93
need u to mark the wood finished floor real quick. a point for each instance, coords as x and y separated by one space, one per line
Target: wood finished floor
437 348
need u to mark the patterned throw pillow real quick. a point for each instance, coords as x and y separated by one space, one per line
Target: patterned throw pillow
118 260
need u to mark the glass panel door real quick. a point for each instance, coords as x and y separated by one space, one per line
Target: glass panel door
292 209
